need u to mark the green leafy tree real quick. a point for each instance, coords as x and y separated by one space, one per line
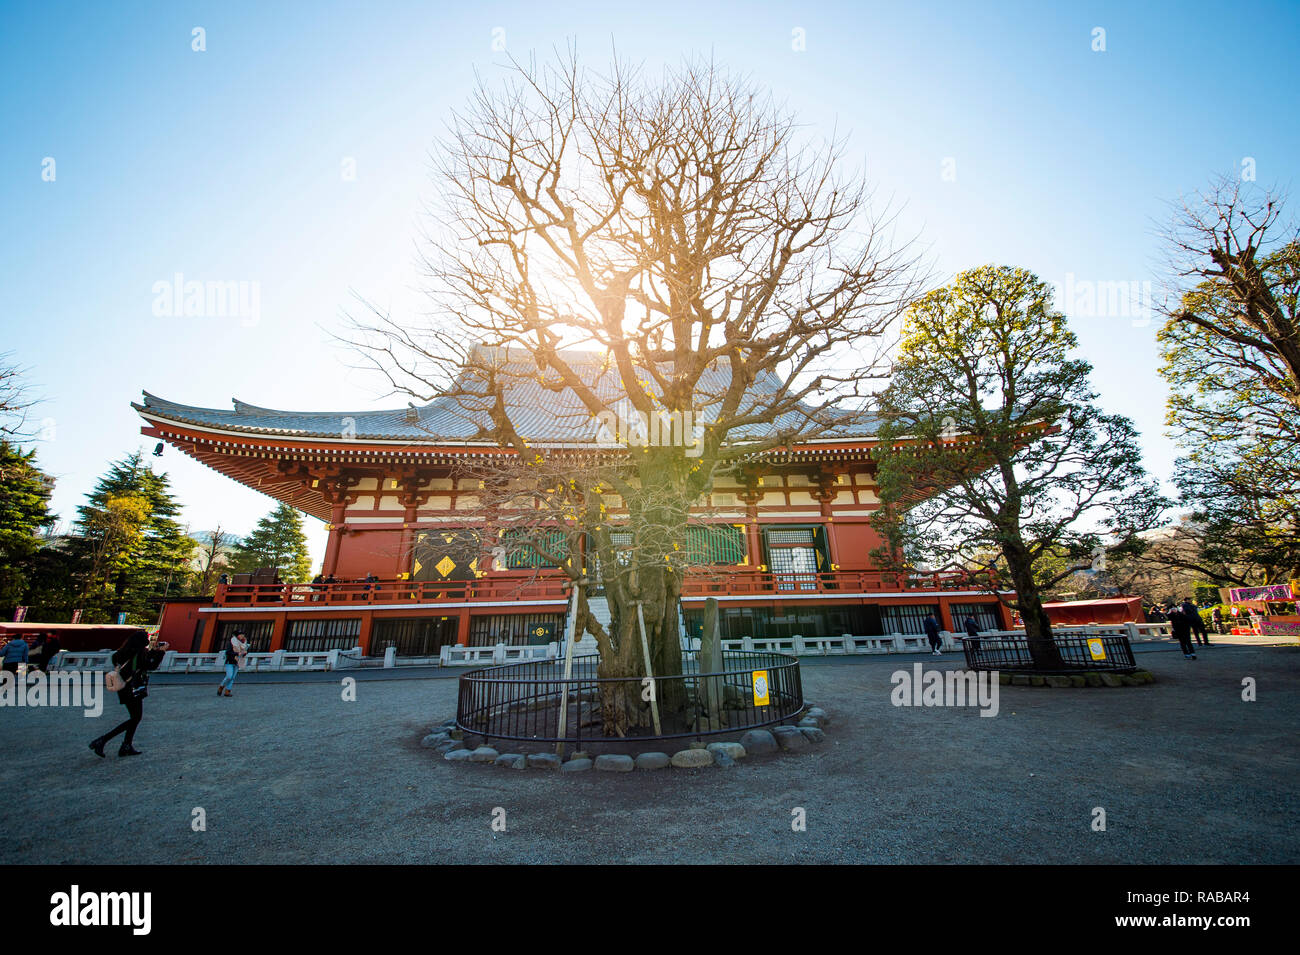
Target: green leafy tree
279 542
1231 350
131 551
24 512
212 560
993 447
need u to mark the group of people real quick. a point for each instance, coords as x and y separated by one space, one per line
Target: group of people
932 631
1185 621
42 654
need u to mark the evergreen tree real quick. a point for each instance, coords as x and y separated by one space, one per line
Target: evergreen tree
992 444
278 542
132 553
24 511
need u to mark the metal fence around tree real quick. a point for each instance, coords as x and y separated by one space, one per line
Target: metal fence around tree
535 702
1077 653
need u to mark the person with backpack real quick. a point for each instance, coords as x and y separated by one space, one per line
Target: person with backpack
1182 628
134 659
16 651
932 631
236 648
1193 615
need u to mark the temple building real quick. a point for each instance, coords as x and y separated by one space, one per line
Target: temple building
785 540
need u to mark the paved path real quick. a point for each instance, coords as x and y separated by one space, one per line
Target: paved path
289 773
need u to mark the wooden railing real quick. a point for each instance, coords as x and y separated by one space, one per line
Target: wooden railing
704 582
526 586
493 587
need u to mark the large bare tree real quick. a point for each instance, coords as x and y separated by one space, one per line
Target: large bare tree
1231 349
719 260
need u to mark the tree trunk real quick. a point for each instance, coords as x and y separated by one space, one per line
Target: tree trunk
1038 628
625 704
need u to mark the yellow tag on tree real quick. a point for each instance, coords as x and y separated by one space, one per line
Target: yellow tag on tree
760 688
1097 649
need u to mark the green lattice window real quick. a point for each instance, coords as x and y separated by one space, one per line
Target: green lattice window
521 555
715 544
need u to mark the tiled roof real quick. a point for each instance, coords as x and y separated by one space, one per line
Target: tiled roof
539 414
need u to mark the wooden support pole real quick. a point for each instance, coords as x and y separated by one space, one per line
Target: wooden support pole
649 671
572 632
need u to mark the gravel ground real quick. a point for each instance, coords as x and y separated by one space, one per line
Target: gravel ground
290 773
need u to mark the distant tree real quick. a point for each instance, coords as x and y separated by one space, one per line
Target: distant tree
213 559
52 591
278 541
127 542
1231 350
15 400
24 512
990 428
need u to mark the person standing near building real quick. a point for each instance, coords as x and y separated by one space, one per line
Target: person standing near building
236 648
52 647
1193 614
1216 618
1182 628
972 633
15 652
134 659
932 631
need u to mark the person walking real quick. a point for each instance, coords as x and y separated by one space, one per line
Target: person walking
15 652
972 634
1182 628
236 648
1193 614
932 631
134 659
1216 617
52 647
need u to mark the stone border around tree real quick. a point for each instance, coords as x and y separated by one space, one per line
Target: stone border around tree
448 739
1090 678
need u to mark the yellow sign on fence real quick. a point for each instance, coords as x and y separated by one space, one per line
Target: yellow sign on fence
1097 649
760 688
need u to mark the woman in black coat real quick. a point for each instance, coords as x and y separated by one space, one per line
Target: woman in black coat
136 658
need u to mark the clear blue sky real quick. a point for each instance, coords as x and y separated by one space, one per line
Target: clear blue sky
225 165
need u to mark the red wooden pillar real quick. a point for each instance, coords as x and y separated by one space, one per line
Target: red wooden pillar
363 638
406 559
210 639
1004 614
945 616
753 540
337 515
832 546
462 627
279 631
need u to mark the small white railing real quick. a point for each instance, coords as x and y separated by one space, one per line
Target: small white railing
78 660
458 656
850 645
277 661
